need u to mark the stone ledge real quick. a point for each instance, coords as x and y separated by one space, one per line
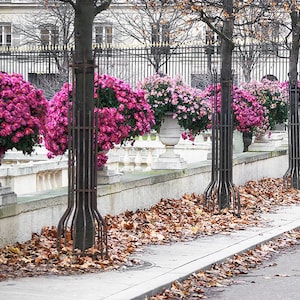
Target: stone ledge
38 200
134 191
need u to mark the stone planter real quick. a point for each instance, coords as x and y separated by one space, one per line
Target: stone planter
247 140
106 176
169 135
262 143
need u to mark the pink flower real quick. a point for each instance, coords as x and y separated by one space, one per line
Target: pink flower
166 94
273 96
22 113
247 111
120 114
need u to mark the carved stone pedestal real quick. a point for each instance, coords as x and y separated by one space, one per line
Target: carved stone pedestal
7 196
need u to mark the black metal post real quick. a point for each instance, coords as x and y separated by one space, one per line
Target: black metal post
82 218
221 189
86 224
209 191
292 175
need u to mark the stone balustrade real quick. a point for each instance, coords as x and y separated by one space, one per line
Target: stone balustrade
29 174
36 173
140 155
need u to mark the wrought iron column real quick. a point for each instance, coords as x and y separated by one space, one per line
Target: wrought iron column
292 175
82 219
221 189
209 191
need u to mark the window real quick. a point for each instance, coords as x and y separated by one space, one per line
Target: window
160 38
209 37
5 36
103 34
49 35
160 33
212 41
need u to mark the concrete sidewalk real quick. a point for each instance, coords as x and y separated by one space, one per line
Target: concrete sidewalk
162 265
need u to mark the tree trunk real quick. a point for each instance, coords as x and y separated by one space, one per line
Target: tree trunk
294 130
83 116
247 73
226 130
88 227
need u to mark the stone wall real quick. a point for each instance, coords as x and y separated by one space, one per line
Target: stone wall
135 190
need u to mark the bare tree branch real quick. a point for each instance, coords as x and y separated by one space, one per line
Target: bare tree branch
103 6
72 3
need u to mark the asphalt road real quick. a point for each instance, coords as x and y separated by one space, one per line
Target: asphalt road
277 279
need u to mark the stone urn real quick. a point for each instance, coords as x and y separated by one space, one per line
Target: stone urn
170 132
247 140
169 135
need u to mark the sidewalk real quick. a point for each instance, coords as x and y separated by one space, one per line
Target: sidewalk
162 265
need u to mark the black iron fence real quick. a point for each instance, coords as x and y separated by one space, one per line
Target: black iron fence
47 68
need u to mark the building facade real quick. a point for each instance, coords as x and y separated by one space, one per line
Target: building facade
36 40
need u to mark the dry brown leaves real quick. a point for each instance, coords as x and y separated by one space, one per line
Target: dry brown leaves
263 195
171 220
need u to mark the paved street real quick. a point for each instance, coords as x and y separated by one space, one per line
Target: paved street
277 279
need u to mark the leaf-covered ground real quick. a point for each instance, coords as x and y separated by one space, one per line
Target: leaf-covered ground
171 220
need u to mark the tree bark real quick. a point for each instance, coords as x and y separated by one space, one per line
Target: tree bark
226 130
83 116
87 225
294 130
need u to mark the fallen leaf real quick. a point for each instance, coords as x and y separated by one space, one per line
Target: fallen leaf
282 275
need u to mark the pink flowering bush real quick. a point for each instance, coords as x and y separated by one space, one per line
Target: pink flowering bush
166 94
22 114
120 114
115 93
56 127
248 113
273 95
